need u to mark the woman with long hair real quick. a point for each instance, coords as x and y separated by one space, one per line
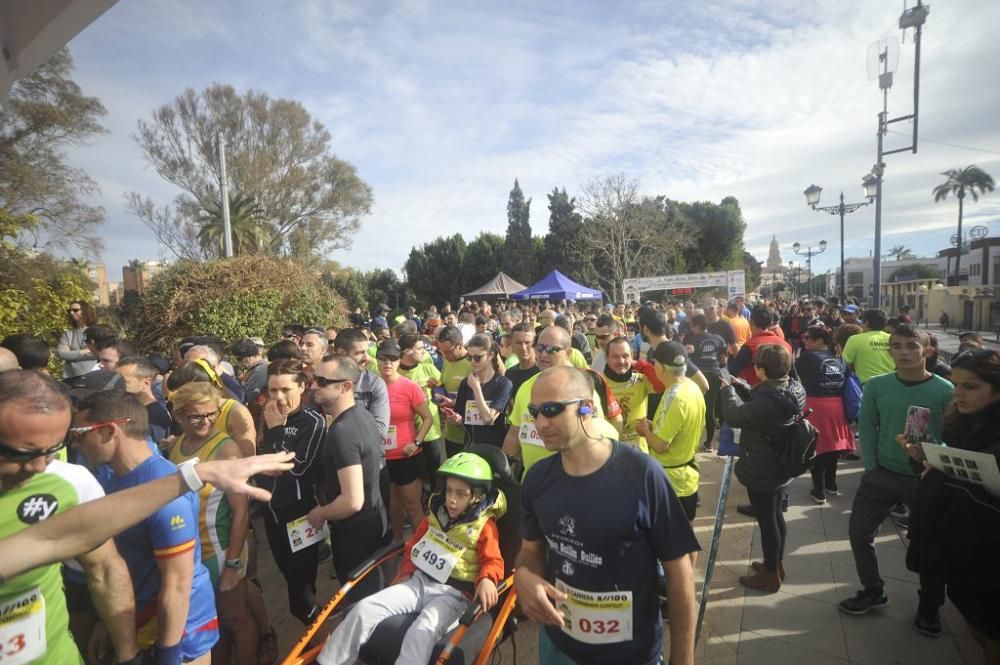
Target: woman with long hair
955 525
759 412
822 373
72 348
483 395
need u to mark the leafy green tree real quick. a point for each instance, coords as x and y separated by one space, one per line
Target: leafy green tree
751 268
972 180
385 287
432 267
350 283
915 271
42 198
719 229
521 260
484 258
565 247
247 221
277 155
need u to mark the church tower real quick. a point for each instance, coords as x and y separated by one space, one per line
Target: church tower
774 256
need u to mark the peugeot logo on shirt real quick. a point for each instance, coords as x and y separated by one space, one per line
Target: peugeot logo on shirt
37 508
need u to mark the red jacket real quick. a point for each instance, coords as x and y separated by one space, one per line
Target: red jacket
743 362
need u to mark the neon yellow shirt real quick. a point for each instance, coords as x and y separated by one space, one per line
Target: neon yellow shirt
419 375
868 353
532 447
452 374
577 360
633 398
680 420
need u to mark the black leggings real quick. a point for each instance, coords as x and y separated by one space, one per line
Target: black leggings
712 406
771 520
298 568
824 472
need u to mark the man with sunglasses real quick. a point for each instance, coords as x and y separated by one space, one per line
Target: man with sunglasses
175 612
523 440
605 331
456 367
34 416
597 601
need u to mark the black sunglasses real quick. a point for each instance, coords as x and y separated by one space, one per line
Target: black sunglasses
551 409
323 382
476 358
548 348
23 456
391 359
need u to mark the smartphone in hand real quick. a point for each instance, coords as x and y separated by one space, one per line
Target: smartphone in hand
918 420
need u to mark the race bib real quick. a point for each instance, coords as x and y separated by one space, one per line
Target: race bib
389 442
22 628
528 435
301 535
473 415
596 617
436 555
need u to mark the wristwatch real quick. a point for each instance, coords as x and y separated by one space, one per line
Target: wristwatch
418 444
235 564
191 479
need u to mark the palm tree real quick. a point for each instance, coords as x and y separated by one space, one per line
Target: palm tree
901 252
251 234
971 179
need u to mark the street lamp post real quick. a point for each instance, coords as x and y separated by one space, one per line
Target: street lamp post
809 253
812 199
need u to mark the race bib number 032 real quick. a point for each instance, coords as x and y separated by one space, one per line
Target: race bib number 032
436 554
592 617
22 628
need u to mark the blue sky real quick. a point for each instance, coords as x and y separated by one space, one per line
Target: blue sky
442 105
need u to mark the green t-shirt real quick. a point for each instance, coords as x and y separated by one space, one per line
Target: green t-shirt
452 374
868 353
680 420
34 602
510 362
419 375
633 398
884 404
532 447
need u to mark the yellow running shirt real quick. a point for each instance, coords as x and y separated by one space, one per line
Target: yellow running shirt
680 420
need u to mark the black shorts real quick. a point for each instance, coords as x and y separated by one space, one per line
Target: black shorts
690 505
404 471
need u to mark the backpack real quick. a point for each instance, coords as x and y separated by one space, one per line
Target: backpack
852 397
795 445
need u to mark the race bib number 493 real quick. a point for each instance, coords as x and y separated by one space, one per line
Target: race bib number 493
596 617
22 628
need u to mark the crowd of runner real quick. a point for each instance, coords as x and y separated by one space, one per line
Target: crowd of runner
602 411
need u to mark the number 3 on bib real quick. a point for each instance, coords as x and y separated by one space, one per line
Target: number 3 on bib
436 555
596 617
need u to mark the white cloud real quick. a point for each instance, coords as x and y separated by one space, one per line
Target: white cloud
441 109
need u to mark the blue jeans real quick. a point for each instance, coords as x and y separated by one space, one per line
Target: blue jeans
549 653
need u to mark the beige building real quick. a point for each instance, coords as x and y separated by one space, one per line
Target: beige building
98 274
137 274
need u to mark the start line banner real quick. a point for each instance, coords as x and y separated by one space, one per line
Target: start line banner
733 280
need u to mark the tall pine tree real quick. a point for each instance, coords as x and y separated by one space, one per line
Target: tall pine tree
519 250
566 244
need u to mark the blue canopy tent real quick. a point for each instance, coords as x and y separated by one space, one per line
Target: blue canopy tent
557 286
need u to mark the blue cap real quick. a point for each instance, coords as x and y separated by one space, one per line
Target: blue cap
853 309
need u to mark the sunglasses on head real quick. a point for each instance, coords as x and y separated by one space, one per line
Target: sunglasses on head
323 382
551 409
20 455
548 348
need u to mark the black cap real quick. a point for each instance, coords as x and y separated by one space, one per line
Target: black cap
95 382
383 307
244 348
670 354
389 347
159 361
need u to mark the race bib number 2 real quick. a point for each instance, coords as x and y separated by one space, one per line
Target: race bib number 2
596 617
22 628
301 535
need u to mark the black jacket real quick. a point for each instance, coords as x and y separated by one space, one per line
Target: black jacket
293 493
955 526
770 405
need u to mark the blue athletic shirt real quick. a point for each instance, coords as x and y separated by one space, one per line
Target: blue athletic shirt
170 531
605 532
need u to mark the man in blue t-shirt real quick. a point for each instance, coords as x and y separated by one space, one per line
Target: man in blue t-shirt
596 598
174 601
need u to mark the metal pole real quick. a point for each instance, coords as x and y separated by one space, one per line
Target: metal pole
879 169
916 81
720 519
809 273
843 291
227 229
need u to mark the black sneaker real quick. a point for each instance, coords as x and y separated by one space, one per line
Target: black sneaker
864 601
928 620
833 490
819 498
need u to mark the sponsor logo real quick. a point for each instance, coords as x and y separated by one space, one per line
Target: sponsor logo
37 507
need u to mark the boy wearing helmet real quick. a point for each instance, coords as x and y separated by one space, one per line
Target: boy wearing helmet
454 555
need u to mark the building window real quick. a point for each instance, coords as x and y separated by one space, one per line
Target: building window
975 270
856 278
996 271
